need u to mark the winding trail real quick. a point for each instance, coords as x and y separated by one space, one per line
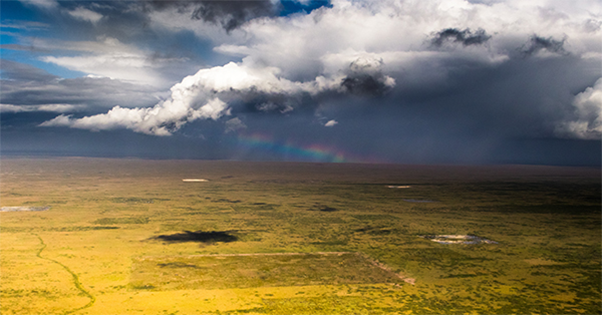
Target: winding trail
78 284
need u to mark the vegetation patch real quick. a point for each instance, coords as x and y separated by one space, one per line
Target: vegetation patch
321 305
127 220
82 228
375 217
547 221
375 230
132 200
419 200
256 270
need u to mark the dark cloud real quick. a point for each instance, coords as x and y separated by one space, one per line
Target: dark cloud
478 114
537 43
16 71
365 77
364 84
465 37
229 14
27 85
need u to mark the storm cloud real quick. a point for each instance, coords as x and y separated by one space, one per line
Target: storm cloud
537 44
205 96
464 37
228 14
280 72
443 78
364 76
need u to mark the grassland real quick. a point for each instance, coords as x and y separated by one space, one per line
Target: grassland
130 237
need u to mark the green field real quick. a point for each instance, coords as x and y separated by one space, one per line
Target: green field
130 237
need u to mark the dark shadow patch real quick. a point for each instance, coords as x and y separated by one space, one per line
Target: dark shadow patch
380 232
374 230
142 287
419 200
328 209
198 236
323 208
177 265
132 200
226 200
258 206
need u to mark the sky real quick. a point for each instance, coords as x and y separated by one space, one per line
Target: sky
390 81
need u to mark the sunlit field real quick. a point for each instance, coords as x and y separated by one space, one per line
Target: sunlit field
131 237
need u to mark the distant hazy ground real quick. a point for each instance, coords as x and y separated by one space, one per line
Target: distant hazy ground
131 237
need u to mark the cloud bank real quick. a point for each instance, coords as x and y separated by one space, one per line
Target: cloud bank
509 68
202 95
26 88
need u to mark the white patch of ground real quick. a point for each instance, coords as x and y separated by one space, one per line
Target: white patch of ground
458 239
193 180
13 209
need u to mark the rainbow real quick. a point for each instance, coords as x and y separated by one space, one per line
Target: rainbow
292 151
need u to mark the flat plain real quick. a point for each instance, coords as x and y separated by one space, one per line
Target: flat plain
127 236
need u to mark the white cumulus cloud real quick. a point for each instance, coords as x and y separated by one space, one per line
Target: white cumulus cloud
204 95
331 123
234 125
587 123
84 14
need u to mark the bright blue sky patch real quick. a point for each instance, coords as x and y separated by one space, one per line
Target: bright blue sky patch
291 7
